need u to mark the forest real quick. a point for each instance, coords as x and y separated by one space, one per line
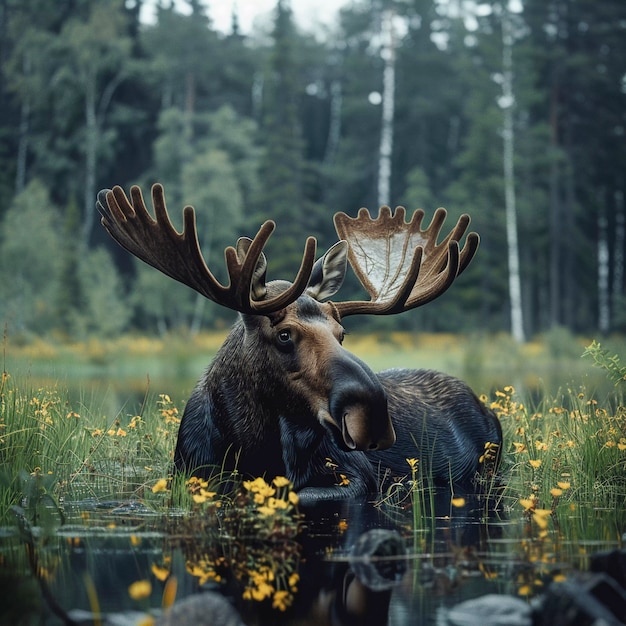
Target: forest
512 112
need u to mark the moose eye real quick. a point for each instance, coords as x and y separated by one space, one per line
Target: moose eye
284 340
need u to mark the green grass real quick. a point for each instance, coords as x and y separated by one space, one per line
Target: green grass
563 461
93 453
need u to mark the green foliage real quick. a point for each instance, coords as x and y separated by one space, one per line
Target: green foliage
255 127
106 311
611 364
30 241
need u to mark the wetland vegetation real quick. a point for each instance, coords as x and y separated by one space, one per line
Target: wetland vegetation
84 477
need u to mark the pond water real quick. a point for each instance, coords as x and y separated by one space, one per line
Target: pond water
79 565
330 566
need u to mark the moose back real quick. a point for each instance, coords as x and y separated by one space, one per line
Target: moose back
283 396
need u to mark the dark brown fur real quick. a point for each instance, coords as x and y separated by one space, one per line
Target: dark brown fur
269 412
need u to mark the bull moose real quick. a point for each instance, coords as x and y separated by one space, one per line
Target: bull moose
283 396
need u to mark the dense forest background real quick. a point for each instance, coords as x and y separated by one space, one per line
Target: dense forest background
513 114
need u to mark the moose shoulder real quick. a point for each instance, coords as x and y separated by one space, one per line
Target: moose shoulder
283 396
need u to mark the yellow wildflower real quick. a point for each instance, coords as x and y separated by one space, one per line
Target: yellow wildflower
160 573
140 590
259 486
541 517
282 599
277 503
281 481
563 485
458 502
343 480
556 492
160 485
535 463
266 511
412 463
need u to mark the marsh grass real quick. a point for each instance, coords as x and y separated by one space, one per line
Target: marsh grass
571 437
563 473
77 453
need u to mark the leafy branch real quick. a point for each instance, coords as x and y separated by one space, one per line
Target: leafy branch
610 363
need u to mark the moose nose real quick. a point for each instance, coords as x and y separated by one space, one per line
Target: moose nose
358 405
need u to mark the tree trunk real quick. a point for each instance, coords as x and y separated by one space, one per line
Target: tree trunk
386 133
555 214
91 161
508 103
23 136
619 242
604 306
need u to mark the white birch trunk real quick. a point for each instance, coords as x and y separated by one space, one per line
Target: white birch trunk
388 104
619 242
507 104
604 302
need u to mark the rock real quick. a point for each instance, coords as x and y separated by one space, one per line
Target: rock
202 609
583 601
489 610
612 563
378 559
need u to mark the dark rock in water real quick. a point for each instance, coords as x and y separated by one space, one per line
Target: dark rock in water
490 610
202 609
612 563
585 600
378 559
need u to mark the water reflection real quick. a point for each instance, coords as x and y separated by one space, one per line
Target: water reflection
347 563
351 563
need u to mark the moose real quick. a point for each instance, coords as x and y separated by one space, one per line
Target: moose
282 396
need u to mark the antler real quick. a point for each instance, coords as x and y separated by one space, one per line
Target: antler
398 264
156 242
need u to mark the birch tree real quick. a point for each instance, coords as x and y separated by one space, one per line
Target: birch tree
96 56
507 103
388 103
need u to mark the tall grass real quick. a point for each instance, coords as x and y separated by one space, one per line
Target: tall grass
76 453
571 438
563 470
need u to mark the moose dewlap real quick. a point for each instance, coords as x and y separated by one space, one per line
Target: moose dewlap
283 396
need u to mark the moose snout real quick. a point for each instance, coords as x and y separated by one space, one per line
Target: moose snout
358 406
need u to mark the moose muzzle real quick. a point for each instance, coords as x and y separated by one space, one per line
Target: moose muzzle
358 405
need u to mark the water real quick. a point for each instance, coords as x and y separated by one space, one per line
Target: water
88 564
86 561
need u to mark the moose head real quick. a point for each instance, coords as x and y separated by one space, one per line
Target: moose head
289 349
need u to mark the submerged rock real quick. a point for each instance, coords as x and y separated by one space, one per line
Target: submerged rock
586 599
378 559
202 609
490 610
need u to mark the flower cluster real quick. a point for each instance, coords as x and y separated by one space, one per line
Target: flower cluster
270 500
255 546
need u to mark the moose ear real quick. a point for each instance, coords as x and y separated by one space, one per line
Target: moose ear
328 272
